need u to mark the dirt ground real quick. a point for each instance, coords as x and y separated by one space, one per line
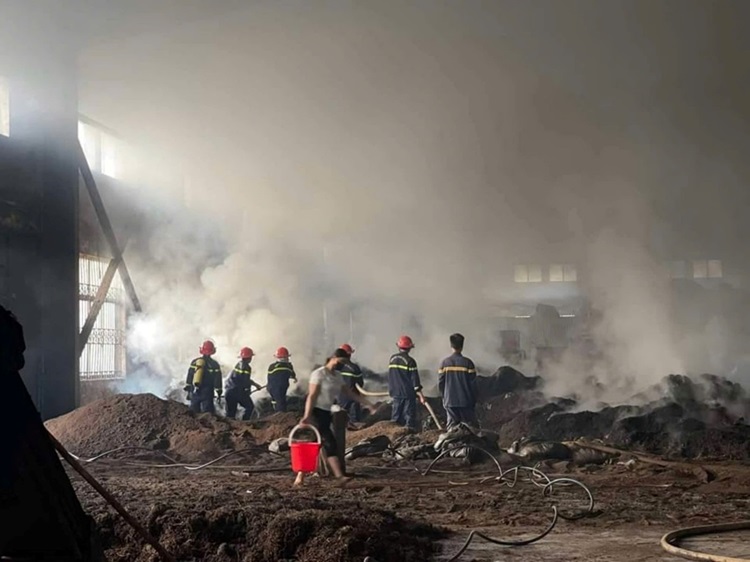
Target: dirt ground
243 507
391 512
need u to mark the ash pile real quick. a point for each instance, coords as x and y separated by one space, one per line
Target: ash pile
702 417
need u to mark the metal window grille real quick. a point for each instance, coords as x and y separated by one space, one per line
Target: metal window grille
103 358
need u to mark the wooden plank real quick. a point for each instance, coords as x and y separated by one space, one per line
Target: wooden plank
109 233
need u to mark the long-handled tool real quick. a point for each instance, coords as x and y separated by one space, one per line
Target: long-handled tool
140 529
364 392
432 413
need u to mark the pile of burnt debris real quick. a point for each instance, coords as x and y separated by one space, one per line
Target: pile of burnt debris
681 417
678 417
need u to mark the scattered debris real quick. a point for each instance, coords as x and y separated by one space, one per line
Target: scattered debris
368 447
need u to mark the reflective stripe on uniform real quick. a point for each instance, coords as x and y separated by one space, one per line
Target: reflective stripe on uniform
278 369
402 367
456 370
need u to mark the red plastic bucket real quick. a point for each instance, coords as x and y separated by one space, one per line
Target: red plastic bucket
304 453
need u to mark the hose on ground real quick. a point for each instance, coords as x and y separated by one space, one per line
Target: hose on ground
462 446
547 491
523 542
119 449
509 478
668 541
173 462
140 529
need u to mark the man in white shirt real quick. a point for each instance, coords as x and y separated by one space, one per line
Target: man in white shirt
326 384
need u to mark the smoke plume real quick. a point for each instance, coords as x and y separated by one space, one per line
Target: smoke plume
362 171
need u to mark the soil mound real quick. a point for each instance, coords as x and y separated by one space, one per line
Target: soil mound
143 420
274 426
506 379
325 533
391 430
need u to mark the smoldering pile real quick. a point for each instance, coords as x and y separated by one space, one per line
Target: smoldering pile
679 417
143 420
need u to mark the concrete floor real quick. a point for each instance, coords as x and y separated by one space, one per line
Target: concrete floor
622 544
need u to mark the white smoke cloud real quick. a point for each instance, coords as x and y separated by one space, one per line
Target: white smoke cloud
371 176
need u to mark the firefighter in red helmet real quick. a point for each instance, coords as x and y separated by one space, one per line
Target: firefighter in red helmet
280 372
203 378
352 376
404 385
238 385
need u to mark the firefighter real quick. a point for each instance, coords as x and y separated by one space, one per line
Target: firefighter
238 385
352 375
203 377
457 380
403 384
280 372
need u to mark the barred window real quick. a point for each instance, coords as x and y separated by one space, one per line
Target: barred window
103 358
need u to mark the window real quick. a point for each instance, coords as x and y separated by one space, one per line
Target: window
714 269
88 138
559 273
707 269
528 274
522 274
570 274
104 151
677 269
103 358
4 107
110 155
556 273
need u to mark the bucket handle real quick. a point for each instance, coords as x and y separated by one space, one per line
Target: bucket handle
304 426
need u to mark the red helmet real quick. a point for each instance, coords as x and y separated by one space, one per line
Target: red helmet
207 348
404 342
348 348
282 353
246 353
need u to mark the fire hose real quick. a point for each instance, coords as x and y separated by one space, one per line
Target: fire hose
364 392
140 529
535 475
668 541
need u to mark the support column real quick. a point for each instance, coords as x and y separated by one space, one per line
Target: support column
44 120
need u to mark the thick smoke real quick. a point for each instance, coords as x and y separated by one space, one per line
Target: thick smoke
360 172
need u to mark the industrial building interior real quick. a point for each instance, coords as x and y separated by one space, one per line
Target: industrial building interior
561 182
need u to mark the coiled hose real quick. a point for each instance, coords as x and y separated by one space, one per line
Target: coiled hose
668 541
510 478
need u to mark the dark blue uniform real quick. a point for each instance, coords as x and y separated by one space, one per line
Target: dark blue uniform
352 375
457 380
204 375
279 374
237 390
403 385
